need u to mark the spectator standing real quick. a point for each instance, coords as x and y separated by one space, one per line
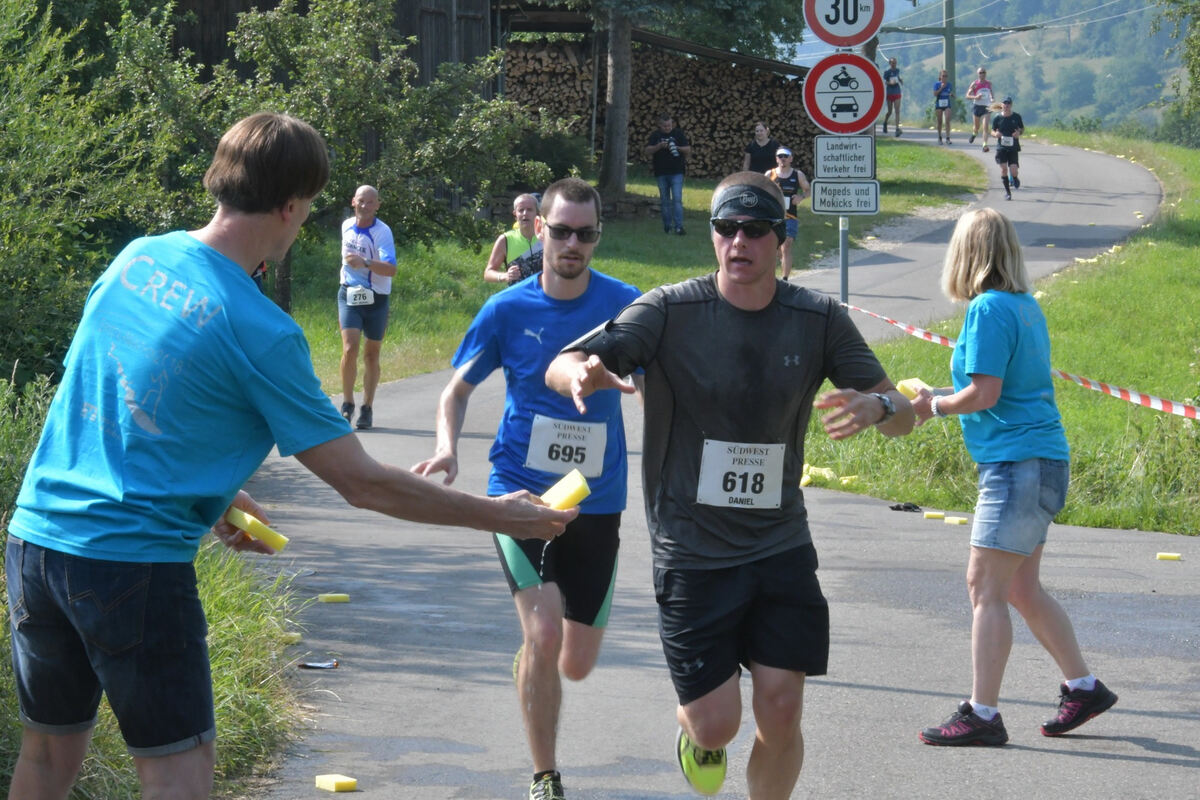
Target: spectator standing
668 147
980 95
514 243
795 188
943 94
1008 128
760 152
892 91
1003 394
180 379
368 265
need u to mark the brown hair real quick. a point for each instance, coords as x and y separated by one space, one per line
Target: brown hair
265 160
573 190
984 253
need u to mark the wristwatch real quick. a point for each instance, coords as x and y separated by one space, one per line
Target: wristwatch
889 408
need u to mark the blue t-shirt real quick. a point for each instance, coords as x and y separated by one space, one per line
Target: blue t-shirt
1004 335
180 379
521 330
374 244
942 92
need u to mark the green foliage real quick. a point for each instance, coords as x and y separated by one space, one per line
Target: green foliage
562 152
437 152
1184 19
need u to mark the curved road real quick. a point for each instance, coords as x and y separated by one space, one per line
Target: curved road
423 704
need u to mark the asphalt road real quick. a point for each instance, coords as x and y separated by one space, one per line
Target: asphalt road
422 704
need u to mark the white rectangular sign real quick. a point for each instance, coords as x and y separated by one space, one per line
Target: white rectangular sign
844 157
845 197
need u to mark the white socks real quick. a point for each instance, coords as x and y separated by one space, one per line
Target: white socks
986 713
1087 683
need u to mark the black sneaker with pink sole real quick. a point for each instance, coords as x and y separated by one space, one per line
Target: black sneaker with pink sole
1077 707
965 727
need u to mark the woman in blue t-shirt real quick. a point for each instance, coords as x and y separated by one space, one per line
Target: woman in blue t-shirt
943 92
1011 426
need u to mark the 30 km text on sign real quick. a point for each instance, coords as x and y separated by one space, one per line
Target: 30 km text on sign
843 23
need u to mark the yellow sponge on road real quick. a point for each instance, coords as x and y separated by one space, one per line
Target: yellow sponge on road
333 597
935 515
955 520
568 492
256 528
337 783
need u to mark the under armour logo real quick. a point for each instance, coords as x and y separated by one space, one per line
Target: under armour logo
537 335
748 199
690 667
791 361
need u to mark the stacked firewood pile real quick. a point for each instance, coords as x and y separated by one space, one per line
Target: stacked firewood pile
716 103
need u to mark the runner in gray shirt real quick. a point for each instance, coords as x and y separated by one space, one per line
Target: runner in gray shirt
733 362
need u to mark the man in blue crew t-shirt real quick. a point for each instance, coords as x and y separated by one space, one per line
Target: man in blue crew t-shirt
562 591
181 378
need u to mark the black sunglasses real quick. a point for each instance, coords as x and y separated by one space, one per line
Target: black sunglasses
562 232
753 228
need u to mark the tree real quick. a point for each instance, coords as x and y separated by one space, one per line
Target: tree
1184 16
1076 87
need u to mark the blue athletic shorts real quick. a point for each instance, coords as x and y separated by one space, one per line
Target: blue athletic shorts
371 319
1017 501
793 227
134 631
581 561
769 612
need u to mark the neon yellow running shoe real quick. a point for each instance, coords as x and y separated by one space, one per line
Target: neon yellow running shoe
703 769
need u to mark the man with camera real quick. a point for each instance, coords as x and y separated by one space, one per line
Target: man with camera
668 147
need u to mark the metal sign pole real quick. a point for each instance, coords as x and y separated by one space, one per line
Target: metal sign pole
844 255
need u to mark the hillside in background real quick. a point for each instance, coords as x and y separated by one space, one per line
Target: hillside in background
1092 60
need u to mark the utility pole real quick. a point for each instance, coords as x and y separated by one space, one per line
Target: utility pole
948 30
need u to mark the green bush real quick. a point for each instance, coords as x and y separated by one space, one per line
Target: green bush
564 153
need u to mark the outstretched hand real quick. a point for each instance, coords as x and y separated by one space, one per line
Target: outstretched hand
591 376
853 412
525 516
441 462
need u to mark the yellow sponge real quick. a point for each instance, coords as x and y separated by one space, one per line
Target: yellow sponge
291 637
909 386
848 479
955 520
805 479
256 528
568 492
336 783
1170 557
935 515
333 597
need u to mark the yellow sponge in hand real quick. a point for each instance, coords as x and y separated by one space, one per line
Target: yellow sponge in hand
909 386
568 492
336 783
256 528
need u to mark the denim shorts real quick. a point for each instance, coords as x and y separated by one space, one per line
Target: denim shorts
1017 501
371 319
134 631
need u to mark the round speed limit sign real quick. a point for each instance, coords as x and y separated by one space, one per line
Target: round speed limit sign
843 23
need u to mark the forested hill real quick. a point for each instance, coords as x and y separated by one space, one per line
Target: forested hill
1090 59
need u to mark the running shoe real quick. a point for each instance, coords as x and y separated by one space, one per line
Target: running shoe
948 140
966 727
703 769
680 232
971 139
548 788
985 148
897 131
1008 195
939 139
1016 182
364 418
348 411
1077 707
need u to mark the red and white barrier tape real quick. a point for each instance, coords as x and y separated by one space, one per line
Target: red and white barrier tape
1128 395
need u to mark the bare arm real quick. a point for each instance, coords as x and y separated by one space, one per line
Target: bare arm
979 395
366 483
496 270
376 265
745 162
235 538
452 410
854 411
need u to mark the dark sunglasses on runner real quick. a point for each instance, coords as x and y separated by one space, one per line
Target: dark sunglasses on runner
562 232
753 228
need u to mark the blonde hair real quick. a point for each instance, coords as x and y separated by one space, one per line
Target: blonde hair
984 253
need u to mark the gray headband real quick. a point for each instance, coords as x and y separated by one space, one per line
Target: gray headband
742 199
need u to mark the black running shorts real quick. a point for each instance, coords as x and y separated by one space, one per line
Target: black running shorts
581 561
769 612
